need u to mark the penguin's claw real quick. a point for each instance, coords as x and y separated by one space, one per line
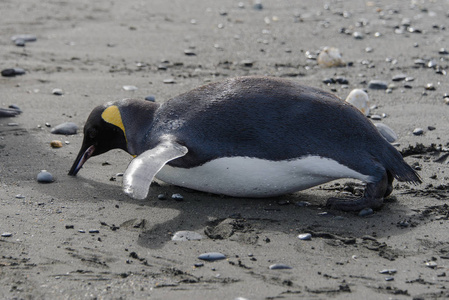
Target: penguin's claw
356 204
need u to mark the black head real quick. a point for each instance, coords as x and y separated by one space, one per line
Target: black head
103 131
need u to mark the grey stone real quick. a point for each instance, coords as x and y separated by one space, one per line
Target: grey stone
279 267
45 177
377 85
67 128
212 256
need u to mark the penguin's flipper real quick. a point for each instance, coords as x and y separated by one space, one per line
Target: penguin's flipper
142 169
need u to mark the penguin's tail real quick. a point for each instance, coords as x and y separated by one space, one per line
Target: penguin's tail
397 166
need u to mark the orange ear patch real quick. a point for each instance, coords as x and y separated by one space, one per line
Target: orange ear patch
112 116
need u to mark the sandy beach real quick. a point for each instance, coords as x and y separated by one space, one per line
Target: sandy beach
83 238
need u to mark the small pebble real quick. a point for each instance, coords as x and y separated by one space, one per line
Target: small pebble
189 52
342 80
430 87
169 81
388 271
330 57
177 197
389 278
258 5
247 63
432 64
94 231
328 80
357 35
302 203
212 256
186 236
359 98
431 128
376 117
305 236
56 144
325 214
15 107
443 51
20 196
67 128
162 197
366 212
81 231
6 234
69 226
403 224
13 72
19 43
431 264
130 88
279 267
399 77
24 37
420 62
377 85
386 132
57 92
45 177
150 98
418 131
198 265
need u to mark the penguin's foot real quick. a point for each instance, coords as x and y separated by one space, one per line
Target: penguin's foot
373 197
356 204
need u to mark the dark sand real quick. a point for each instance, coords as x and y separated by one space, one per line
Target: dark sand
91 49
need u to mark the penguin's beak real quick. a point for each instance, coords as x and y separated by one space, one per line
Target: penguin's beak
82 157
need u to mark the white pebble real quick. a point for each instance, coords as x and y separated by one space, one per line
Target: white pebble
330 57
305 236
360 100
129 87
186 236
57 92
418 131
177 197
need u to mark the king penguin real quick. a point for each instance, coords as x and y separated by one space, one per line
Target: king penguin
247 137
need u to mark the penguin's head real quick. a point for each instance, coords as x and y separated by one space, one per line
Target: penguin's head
103 131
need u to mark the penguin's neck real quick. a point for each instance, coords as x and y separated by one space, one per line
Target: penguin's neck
138 119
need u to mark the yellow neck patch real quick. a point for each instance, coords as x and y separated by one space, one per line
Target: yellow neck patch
112 116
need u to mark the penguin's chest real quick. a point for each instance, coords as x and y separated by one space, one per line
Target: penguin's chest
253 177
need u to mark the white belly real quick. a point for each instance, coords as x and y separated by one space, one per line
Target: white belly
253 177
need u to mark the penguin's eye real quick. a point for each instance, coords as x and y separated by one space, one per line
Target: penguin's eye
92 133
